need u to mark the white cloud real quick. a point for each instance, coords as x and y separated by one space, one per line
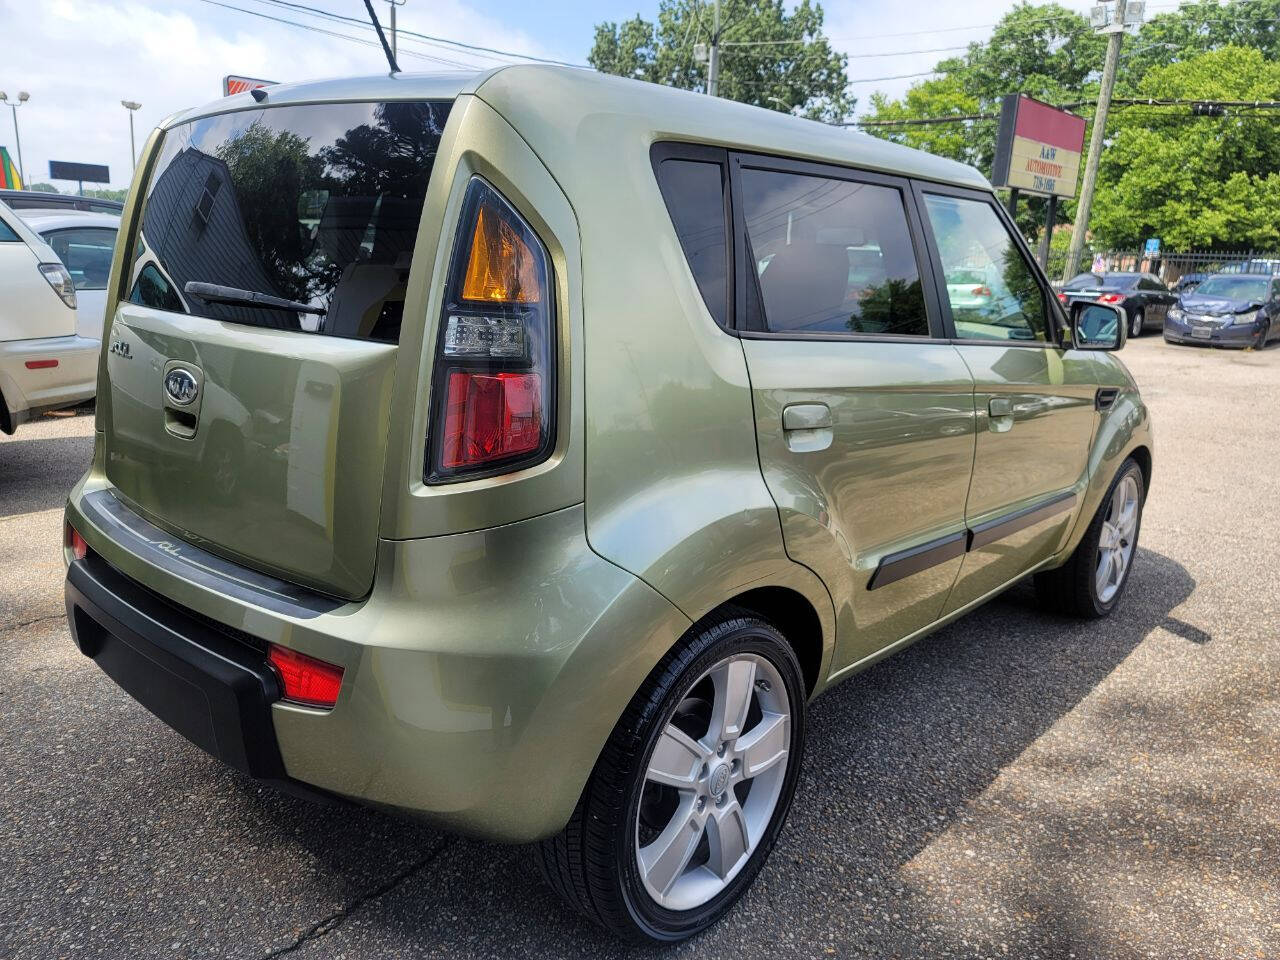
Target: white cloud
80 59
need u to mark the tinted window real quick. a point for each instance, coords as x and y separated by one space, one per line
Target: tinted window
317 204
694 194
1083 281
151 289
86 253
7 235
832 256
971 236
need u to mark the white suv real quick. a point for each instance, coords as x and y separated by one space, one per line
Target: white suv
44 363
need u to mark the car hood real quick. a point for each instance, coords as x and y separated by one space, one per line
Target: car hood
1196 303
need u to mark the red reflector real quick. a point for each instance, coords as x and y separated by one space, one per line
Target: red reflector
491 416
72 540
41 364
1111 298
305 679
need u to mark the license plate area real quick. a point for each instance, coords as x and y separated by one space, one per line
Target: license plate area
1202 333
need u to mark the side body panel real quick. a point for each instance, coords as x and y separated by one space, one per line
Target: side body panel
893 477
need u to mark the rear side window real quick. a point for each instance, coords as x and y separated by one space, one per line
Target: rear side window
86 253
7 235
832 256
694 194
317 205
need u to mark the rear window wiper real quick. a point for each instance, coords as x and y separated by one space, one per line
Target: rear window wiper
216 293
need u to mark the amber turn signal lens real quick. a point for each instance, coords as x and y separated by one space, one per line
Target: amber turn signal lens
501 267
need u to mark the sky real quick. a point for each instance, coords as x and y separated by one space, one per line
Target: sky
80 58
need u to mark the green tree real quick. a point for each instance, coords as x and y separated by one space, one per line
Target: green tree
769 57
1198 27
1195 181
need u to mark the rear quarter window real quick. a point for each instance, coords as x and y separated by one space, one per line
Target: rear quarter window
318 204
694 194
7 234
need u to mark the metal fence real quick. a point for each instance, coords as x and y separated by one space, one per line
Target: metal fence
1170 266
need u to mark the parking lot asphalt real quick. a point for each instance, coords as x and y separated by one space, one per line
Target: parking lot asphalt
1015 785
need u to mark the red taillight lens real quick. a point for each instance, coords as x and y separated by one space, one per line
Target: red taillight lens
72 540
981 291
306 680
1111 298
1063 298
491 417
493 404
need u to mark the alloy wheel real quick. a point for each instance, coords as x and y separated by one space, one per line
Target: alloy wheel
1117 539
713 782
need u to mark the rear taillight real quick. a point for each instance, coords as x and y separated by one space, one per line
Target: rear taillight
306 680
494 379
72 540
1063 298
60 280
981 291
1111 298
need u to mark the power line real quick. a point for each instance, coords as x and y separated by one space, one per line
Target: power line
305 8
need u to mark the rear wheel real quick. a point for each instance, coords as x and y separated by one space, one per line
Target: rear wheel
691 790
1135 324
1092 581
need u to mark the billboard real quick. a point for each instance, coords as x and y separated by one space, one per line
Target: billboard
231 85
1038 147
80 172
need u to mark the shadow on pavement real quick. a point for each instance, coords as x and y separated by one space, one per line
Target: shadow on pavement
37 473
894 757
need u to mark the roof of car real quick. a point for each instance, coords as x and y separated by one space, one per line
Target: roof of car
43 220
552 105
44 200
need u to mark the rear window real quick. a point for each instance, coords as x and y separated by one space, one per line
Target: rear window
7 234
86 253
317 205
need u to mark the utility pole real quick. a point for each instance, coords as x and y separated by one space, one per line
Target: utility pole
131 105
395 51
713 64
23 97
1116 30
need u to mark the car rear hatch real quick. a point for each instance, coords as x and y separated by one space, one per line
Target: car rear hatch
256 427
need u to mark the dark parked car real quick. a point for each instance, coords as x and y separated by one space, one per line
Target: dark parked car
1143 296
40 200
1228 310
1189 281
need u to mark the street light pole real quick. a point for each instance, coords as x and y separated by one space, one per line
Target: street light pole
1083 208
395 52
131 105
23 97
713 64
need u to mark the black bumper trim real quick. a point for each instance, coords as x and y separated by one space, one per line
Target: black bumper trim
208 686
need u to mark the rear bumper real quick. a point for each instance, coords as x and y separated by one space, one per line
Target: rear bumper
72 381
214 689
481 677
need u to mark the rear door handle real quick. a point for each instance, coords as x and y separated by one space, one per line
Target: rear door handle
807 427
1001 414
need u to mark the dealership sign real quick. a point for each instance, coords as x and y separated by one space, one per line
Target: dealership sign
1038 147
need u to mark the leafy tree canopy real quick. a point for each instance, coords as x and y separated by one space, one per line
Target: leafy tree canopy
1195 181
769 57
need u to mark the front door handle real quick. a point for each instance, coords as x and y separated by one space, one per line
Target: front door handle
1001 414
807 427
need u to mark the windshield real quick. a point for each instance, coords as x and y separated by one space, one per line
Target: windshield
1234 288
317 204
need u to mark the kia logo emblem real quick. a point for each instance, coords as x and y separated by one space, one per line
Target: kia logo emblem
180 386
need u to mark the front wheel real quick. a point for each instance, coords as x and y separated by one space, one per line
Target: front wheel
1263 334
1135 325
691 789
1091 582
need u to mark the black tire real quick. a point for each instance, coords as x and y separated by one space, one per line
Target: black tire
591 864
1071 589
1262 337
1136 324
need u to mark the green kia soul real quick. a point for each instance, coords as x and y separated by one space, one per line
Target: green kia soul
525 450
